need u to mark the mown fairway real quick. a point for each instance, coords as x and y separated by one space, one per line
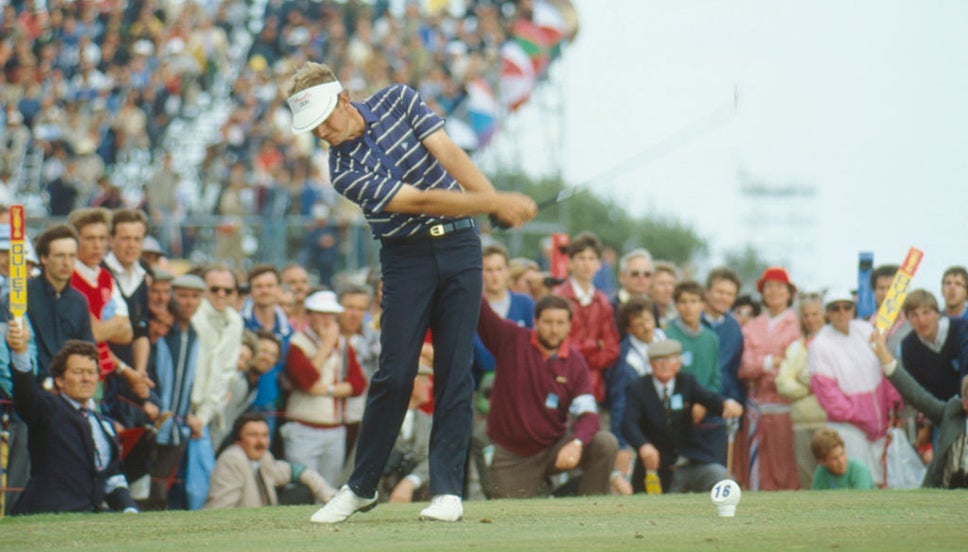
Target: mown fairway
885 520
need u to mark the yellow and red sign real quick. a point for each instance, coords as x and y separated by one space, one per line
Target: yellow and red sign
891 306
18 261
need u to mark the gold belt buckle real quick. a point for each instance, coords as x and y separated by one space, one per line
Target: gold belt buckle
437 230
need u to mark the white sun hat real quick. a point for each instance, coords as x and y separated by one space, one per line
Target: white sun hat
323 301
312 106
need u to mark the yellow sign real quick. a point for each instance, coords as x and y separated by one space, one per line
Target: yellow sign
18 262
891 306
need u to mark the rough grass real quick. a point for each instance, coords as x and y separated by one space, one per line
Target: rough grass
881 520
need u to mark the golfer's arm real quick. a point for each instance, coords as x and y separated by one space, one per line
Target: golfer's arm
445 203
457 163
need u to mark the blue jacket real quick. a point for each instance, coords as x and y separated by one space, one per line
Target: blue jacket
616 380
730 353
55 318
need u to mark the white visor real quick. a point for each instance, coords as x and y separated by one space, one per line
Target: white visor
312 106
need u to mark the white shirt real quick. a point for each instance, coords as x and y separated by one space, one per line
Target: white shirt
102 448
943 326
584 297
127 280
501 307
664 389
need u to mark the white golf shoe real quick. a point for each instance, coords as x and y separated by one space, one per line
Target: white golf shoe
443 508
344 504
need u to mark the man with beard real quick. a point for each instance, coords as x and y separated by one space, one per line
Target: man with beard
535 439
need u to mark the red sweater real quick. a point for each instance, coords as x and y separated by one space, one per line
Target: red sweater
97 298
593 333
532 395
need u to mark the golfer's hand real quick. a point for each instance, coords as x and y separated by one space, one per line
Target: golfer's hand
650 456
568 456
514 209
732 409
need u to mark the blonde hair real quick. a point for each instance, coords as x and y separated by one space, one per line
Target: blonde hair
309 75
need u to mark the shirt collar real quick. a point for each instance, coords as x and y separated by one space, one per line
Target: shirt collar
115 265
584 298
713 321
88 273
943 326
368 115
686 329
90 405
562 351
642 347
659 386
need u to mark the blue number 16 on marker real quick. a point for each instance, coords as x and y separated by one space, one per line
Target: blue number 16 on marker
721 491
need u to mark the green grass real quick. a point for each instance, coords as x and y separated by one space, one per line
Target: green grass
884 520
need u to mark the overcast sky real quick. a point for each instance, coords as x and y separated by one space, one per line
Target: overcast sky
866 102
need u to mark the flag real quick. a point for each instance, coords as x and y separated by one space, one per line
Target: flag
482 110
550 22
517 76
533 42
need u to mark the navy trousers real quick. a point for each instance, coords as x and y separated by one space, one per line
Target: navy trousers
435 283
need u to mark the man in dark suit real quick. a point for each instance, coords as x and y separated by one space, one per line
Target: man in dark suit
74 455
949 466
658 423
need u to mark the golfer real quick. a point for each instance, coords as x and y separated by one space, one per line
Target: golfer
389 154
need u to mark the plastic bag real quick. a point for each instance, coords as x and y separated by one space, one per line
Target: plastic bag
904 467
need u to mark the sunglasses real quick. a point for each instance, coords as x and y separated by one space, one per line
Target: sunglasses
837 307
216 289
640 274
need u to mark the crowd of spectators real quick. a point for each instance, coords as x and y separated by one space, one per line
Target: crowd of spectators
236 382
198 374
90 91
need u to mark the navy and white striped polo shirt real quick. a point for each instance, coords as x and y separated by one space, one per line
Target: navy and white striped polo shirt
369 170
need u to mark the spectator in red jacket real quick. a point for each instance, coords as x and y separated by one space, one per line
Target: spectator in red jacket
593 330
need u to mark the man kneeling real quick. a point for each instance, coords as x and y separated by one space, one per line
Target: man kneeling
246 474
541 384
658 423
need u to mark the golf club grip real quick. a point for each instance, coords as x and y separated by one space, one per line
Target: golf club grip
497 223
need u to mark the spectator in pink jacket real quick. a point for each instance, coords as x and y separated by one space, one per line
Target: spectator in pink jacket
765 459
847 381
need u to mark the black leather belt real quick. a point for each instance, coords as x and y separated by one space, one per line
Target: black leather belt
436 231
445 228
